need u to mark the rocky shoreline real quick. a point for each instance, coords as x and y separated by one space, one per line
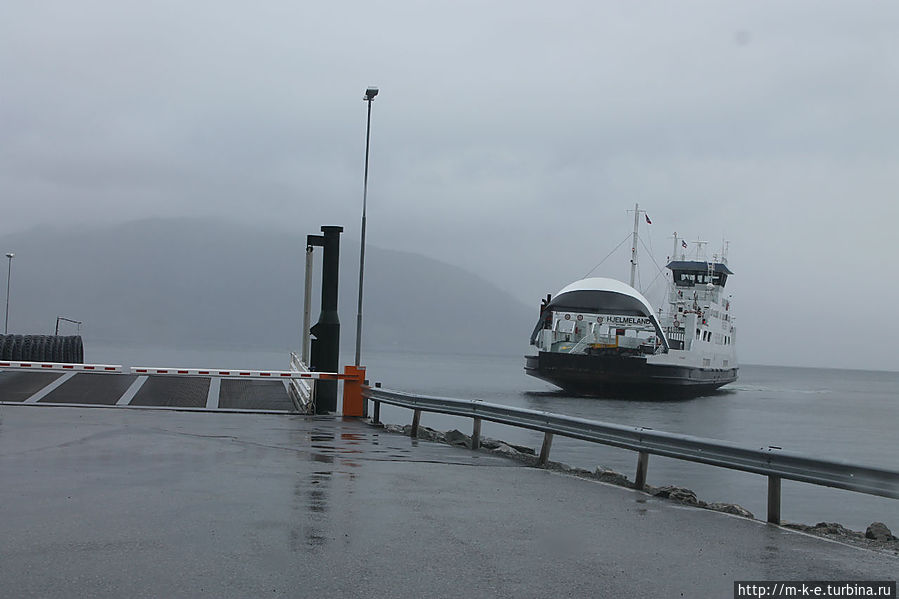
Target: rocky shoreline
877 536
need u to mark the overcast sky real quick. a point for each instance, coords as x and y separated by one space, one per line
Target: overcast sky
509 138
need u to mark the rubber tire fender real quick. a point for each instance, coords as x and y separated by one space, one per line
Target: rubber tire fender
18 341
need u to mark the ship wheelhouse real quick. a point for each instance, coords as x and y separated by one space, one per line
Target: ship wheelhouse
692 273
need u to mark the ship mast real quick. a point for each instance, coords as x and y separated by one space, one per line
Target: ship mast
634 247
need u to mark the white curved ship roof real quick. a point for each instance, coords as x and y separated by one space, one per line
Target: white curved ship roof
604 284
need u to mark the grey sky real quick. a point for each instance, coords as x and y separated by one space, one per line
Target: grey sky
509 138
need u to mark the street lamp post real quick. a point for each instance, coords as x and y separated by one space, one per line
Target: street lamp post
370 94
10 255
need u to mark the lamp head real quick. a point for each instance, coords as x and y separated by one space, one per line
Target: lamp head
370 93
10 255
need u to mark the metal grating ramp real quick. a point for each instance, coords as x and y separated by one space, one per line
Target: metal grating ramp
173 392
142 391
19 386
254 395
90 389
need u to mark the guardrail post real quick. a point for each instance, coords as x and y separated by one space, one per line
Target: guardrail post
642 467
416 418
773 499
544 450
364 401
376 417
476 434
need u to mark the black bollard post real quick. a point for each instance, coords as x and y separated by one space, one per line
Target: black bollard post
325 355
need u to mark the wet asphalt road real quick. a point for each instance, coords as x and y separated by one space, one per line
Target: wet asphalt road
129 503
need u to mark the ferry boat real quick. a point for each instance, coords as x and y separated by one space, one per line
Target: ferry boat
599 336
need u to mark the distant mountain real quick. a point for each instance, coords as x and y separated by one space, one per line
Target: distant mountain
200 283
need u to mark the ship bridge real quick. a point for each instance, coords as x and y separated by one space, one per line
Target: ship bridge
690 273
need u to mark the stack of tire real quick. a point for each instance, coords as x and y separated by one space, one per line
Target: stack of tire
42 348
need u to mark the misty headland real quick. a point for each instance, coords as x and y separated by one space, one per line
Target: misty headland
205 283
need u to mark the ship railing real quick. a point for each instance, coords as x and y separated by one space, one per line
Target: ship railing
772 461
582 343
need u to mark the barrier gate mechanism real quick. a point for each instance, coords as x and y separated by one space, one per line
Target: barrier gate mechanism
300 380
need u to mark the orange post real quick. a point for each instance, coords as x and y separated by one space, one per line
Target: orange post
352 390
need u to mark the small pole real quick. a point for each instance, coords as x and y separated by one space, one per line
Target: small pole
544 450
642 467
773 499
416 418
307 307
10 256
476 434
370 94
376 419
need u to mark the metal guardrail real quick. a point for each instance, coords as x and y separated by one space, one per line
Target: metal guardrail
772 462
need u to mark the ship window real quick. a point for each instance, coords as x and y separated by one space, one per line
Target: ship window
684 279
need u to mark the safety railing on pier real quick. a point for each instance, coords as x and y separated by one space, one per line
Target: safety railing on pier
301 391
771 461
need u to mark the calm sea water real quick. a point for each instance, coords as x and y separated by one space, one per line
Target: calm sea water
834 414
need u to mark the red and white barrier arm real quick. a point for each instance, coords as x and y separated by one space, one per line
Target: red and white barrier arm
247 374
59 366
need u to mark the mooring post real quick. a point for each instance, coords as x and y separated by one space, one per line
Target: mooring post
325 352
544 450
476 434
773 499
416 418
642 467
